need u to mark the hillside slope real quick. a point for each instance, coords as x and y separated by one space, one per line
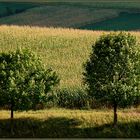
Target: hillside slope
65 50
65 13
59 16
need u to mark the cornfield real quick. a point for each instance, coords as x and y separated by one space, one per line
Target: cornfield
63 50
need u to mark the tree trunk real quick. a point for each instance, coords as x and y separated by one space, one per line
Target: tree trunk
12 116
12 111
115 114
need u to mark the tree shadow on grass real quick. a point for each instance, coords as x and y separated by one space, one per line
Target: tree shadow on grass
30 128
61 127
122 130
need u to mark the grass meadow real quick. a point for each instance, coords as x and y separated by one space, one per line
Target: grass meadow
64 123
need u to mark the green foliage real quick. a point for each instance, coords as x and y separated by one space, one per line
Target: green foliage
72 98
112 72
65 54
24 81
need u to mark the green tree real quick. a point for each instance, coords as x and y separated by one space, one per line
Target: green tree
24 81
112 72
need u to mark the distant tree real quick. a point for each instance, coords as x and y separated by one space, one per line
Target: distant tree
24 81
112 72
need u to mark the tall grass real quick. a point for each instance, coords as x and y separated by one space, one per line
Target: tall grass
62 123
65 50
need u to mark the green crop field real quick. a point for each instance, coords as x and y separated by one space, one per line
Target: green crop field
50 16
73 14
125 22
65 50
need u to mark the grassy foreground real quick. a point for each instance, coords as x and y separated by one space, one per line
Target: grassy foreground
62 123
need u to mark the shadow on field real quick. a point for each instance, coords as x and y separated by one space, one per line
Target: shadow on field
29 127
61 127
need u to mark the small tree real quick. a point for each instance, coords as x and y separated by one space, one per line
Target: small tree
112 73
24 81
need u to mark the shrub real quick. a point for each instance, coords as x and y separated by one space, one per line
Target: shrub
69 98
112 72
24 81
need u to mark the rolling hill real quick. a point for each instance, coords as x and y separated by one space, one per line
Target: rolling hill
46 27
64 50
73 14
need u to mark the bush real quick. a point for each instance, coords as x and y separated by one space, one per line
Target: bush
69 98
112 72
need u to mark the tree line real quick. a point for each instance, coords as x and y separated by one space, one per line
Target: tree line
112 74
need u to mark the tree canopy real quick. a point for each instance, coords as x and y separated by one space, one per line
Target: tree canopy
24 80
112 72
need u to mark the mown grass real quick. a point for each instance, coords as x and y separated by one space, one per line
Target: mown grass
62 123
